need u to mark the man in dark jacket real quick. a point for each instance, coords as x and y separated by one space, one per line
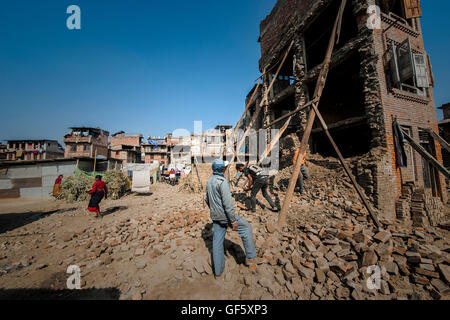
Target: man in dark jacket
257 180
220 203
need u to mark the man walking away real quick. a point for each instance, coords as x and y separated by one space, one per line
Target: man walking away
257 180
220 203
303 172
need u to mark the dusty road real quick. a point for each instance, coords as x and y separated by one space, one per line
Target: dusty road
157 246
39 239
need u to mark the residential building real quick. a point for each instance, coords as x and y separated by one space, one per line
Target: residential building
86 142
126 147
156 149
33 149
3 149
377 74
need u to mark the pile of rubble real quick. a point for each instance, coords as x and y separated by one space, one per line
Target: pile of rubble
343 261
189 184
328 250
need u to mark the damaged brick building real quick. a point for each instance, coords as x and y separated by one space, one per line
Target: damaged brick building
376 75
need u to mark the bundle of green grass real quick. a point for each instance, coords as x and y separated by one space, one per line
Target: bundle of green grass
74 187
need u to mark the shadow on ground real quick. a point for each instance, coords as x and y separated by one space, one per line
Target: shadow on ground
113 210
49 294
11 221
143 194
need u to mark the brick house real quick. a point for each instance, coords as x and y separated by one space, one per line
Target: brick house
33 149
86 142
375 75
126 147
3 149
156 149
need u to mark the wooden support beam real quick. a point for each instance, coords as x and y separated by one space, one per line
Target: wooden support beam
274 141
426 155
441 140
95 160
320 85
290 114
250 101
263 101
342 124
288 91
199 180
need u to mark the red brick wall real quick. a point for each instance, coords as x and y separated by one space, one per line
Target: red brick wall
128 141
149 158
273 27
411 110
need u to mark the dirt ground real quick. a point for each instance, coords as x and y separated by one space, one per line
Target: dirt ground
35 253
158 246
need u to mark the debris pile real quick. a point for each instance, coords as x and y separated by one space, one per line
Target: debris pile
329 250
190 184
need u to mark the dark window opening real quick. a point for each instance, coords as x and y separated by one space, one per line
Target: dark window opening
285 77
430 174
282 108
352 141
318 34
343 96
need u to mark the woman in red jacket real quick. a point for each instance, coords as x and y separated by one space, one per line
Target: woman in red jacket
98 191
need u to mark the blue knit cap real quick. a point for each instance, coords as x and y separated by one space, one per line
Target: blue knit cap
218 167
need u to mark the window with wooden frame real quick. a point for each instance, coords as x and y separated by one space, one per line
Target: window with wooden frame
408 70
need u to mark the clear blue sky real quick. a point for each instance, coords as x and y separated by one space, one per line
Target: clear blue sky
145 66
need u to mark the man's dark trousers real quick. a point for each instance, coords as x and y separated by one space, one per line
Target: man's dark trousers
261 183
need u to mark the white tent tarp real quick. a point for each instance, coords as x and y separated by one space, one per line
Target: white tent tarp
141 176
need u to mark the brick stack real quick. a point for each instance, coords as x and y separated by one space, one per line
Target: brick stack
418 212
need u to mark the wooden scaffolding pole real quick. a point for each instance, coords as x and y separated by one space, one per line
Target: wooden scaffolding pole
274 141
199 180
258 109
290 114
95 160
250 101
426 155
441 140
346 168
198 175
320 85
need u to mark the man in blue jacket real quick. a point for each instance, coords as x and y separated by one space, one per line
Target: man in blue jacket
220 203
